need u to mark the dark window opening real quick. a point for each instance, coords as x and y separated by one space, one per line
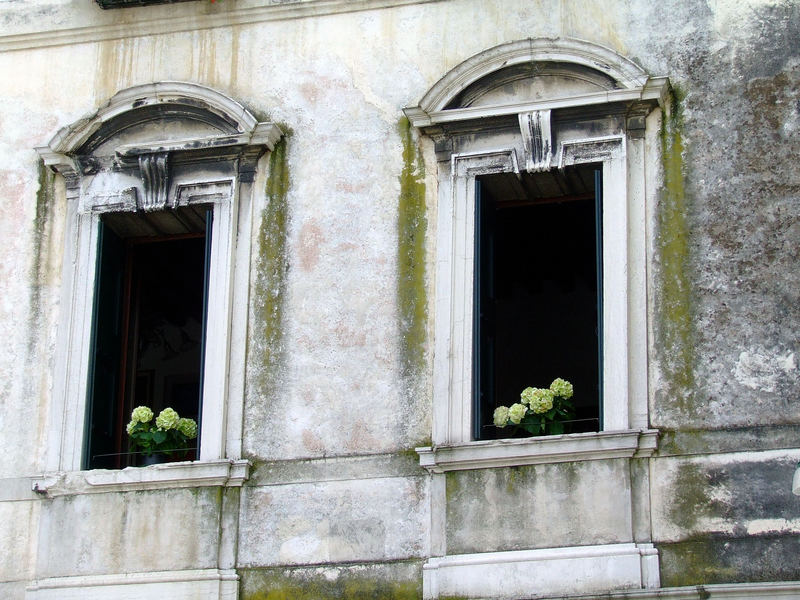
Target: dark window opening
149 325
537 307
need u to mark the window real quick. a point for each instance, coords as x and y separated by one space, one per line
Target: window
159 187
540 144
148 324
538 238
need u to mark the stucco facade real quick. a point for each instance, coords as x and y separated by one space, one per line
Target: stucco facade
338 144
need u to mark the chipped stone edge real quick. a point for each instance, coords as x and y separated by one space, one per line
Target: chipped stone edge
226 473
630 443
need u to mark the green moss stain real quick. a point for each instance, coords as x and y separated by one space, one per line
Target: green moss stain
696 562
270 279
674 301
266 585
411 228
45 198
690 501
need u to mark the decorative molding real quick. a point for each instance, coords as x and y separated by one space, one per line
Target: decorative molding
542 572
537 140
123 201
585 150
625 72
422 119
225 473
191 584
539 450
203 193
154 170
186 17
471 164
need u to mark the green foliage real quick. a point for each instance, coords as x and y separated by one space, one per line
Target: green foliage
167 434
541 411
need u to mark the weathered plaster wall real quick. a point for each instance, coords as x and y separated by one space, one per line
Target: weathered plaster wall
129 532
338 364
542 506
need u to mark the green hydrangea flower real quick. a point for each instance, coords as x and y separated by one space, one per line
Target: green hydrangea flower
516 412
188 428
167 419
541 400
130 426
562 388
501 416
527 395
141 414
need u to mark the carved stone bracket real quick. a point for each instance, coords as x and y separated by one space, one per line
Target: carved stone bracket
154 169
536 139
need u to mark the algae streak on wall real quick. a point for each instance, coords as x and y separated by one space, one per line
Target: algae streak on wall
265 342
674 333
411 228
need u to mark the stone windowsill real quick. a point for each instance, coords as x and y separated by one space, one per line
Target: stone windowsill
629 443
129 3
227 473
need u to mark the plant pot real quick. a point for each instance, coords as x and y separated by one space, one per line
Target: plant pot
153 459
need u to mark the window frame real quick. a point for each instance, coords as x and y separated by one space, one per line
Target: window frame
218 171
454 344
480 140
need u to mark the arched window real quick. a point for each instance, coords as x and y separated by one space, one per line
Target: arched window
543 147
155 183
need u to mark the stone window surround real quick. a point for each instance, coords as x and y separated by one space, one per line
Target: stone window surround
626 194
92 190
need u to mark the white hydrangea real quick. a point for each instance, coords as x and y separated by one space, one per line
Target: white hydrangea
527 395
541 400
516 412
562 388
167 419
130 426
188 427
141 414
501 416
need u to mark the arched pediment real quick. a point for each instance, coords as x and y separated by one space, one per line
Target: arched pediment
588 61
165 116
532 74
167 101
149 142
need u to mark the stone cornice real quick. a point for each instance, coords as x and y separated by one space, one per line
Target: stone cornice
184 16
539 450
227 473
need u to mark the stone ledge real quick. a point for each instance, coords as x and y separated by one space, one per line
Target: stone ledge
208 584
728 591
556 571
227 473
628 443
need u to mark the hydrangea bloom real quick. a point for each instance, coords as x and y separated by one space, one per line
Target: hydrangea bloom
516 412
188 428
562 388
541 400
141 414
527 395
130 427
167 419
501 416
